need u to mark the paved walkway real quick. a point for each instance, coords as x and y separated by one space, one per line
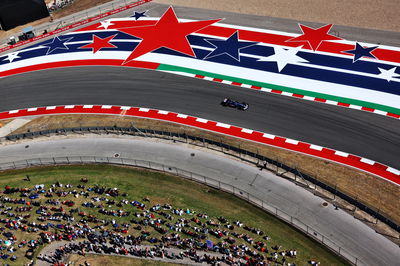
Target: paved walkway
50 249
351 234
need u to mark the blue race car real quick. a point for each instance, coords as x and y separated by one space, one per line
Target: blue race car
235 104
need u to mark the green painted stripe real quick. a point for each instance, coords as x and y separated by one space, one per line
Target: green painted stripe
283 88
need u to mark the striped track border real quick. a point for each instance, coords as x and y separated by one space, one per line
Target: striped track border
290 94
75 25
388 173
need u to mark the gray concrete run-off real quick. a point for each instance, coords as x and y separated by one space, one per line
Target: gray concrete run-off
349 233
365 134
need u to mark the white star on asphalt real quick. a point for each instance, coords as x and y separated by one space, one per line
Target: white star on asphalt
388 74
12 56
105 24
284 56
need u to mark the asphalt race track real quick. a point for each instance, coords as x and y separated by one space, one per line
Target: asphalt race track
361 133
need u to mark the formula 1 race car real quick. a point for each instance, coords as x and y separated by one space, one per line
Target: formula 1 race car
235 104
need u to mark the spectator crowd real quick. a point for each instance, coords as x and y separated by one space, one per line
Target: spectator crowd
101 220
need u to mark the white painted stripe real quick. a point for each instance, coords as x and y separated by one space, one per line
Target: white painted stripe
201 120
227 82
32 109
88 106
125 108
163 112
246 86
331 102
286 93
69 106
245 130
223 125
367 161
292 141
106 107
309 98
208 78
182 116
316 147
352 106
13 112
340 153
144 109
51 107
393 171
380 112
266 89
268 136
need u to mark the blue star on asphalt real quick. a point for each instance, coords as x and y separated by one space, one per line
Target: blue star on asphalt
138 15
360 51
230 46
56 43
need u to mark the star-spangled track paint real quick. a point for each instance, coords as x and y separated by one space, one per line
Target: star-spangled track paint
372 84
75 25
387 173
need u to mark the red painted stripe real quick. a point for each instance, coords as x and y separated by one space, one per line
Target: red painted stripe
256 87
344 104
367 109
89 62
298 95
236 83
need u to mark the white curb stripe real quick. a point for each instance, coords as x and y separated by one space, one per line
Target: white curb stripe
223 125
106 107
69 106
245 130
268 136
316 147
367 161
13 111
292 141
182 116
51 107
125 108
343 154
88 106
144 109
163 112
32 109
393 171
201 120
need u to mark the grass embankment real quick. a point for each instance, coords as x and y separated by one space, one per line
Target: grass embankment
180 193
371 190
115 261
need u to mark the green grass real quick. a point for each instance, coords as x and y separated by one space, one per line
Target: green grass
178 192
95 260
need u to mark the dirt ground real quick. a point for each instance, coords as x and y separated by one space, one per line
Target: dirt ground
373 14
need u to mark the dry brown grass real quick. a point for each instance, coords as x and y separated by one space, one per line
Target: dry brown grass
371 190
5 122
373 14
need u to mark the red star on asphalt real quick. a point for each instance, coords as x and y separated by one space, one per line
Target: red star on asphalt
314 37
168 32
99 43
